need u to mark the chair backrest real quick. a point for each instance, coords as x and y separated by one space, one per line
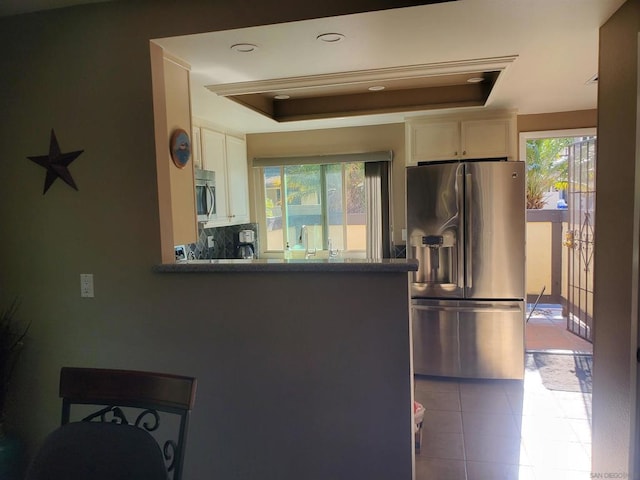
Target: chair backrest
135 398
98 451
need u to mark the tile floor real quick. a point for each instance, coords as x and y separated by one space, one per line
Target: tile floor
507 429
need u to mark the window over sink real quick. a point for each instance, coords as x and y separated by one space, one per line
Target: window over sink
315 209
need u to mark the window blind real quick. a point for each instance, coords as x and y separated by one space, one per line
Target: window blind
381 156
378 210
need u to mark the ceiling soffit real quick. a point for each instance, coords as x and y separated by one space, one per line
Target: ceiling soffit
406 88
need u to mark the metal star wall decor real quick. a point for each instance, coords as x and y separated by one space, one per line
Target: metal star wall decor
56 163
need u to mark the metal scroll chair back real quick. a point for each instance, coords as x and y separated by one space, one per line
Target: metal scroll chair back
141 399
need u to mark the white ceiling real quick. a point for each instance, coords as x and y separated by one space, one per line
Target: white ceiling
555 41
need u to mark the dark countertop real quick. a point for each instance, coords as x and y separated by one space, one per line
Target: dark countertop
281 265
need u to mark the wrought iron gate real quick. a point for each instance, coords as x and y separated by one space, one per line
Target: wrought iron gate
579 236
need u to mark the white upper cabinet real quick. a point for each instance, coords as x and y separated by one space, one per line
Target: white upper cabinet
435 141
214 159
237 180
196 147
227 157
486 138
460 138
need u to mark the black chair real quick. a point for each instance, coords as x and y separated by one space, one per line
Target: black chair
115 442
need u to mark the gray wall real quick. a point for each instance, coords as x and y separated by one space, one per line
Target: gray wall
282 384
615 326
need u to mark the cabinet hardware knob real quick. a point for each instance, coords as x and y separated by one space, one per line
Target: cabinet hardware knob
464 152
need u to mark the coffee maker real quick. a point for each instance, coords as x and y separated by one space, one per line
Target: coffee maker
246 247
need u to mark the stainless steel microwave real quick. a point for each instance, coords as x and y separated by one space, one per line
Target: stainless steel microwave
205 181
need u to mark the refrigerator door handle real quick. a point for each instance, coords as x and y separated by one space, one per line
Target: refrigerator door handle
461 227
469 226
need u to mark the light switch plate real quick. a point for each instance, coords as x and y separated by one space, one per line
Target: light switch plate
86 285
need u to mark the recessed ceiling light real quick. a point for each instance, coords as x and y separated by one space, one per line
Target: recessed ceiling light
282 97
376 88
330 37
475 80
244 47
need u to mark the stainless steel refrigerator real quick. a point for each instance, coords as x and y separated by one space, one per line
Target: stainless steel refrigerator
466 227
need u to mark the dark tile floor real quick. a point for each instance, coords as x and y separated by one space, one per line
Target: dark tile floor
508 429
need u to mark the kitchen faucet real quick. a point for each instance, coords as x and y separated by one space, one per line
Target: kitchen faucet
332 252
304 240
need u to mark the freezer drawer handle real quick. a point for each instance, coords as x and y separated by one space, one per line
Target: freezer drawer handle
491 308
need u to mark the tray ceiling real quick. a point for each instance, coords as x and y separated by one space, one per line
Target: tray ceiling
553 46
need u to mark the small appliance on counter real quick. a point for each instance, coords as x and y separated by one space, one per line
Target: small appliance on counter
246 247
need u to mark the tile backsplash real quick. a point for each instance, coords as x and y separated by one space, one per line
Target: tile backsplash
399 251
225 242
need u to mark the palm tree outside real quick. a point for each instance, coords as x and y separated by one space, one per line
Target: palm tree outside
547 168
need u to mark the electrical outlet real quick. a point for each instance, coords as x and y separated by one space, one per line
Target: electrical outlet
210 242
404 234
86 285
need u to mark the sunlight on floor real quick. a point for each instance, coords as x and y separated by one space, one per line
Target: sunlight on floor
503 429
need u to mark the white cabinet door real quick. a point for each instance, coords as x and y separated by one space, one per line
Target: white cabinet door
486 138
227 157
435 141
196 147
237 180
214 158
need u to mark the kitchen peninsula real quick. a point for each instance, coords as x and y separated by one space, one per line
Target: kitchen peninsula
314 356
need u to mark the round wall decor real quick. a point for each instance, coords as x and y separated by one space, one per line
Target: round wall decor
180 147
